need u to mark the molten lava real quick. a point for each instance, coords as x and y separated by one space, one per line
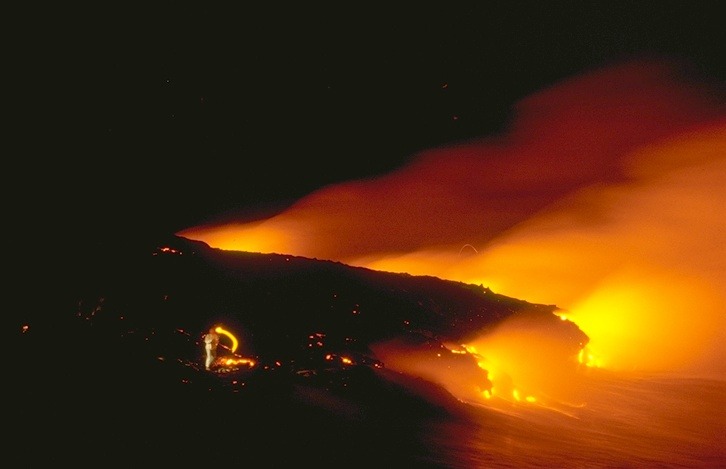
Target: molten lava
604 197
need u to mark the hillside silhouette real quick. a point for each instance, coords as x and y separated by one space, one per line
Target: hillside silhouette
120 340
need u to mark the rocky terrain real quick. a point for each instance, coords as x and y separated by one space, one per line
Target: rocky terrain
111 359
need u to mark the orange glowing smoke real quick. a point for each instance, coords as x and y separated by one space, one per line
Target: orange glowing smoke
605 197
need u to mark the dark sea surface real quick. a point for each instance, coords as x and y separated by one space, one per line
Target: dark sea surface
624 422
617 421
621 422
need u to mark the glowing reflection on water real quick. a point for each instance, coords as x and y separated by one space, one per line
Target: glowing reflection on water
627 421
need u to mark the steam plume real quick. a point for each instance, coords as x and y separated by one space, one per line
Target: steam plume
604 197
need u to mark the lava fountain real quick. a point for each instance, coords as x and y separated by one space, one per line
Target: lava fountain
604 197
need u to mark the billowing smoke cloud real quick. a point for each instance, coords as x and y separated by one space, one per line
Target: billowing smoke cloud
604 197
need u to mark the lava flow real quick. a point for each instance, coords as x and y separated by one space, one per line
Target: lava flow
604 197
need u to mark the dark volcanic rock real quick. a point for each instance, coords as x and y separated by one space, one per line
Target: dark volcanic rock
116 337
165 293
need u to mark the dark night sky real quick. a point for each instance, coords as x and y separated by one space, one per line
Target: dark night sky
157 117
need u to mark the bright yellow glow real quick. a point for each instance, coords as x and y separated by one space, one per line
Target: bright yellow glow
235 343
556 211
238 361
636 323
587 358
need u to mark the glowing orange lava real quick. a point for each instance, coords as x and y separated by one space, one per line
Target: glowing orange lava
604 197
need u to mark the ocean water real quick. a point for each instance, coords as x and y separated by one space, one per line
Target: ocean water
620 421
612 421
617 421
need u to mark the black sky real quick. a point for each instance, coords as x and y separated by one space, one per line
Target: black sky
162 115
